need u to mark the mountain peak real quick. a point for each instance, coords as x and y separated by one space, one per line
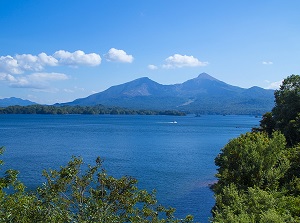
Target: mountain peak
206 76
144 82
144 78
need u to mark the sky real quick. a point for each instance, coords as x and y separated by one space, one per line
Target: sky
57 51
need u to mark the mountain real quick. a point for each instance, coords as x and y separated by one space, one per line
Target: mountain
14 101
203 94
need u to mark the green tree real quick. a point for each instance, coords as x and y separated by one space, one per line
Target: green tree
285 115
258 180
15 204
287 100
253 159
267 124
78 194
255 205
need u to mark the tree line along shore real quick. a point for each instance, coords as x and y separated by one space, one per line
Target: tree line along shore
84 110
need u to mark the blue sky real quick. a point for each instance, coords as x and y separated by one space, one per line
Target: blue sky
57 51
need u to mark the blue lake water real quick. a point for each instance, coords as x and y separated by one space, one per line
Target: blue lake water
176 159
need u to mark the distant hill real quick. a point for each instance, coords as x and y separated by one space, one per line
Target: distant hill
203 94
15 101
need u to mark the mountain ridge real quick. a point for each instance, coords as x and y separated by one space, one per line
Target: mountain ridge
15 101
202 94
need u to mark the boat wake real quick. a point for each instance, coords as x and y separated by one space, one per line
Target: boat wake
174 122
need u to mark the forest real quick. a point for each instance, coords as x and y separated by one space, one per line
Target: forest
83 110
258 181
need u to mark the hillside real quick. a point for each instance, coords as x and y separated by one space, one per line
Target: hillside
203 94
14 101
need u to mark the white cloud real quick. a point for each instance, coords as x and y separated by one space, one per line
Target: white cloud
118 56
74 89
274 85
68 90
7 77
28 62
10 78
47 90
178 61
152 67
42 77
35 80
20 82
28 71
77 58
10 65
47 60
267 62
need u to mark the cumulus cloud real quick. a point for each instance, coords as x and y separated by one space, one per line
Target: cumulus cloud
178 61
14 81
28 62
46 60
152 67
116 55
267 62
10 64
7 77
29 71
77 58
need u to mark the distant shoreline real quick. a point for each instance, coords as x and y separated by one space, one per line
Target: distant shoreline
83 110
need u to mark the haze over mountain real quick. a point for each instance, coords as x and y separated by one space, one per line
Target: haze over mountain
203 94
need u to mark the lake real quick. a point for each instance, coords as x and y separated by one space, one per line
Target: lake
174 155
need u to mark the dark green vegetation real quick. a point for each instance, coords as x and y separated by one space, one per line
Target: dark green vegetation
202 95
259 172
77 194
85 110
285 116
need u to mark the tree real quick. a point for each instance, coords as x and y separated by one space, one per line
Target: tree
74 195
253 159
258 180
287 100
286 112
15 206
255 205
267 124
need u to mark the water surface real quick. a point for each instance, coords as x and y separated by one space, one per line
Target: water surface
176 159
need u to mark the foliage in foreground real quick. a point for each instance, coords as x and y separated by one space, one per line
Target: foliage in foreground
285 116
73 195
258 180
259 172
